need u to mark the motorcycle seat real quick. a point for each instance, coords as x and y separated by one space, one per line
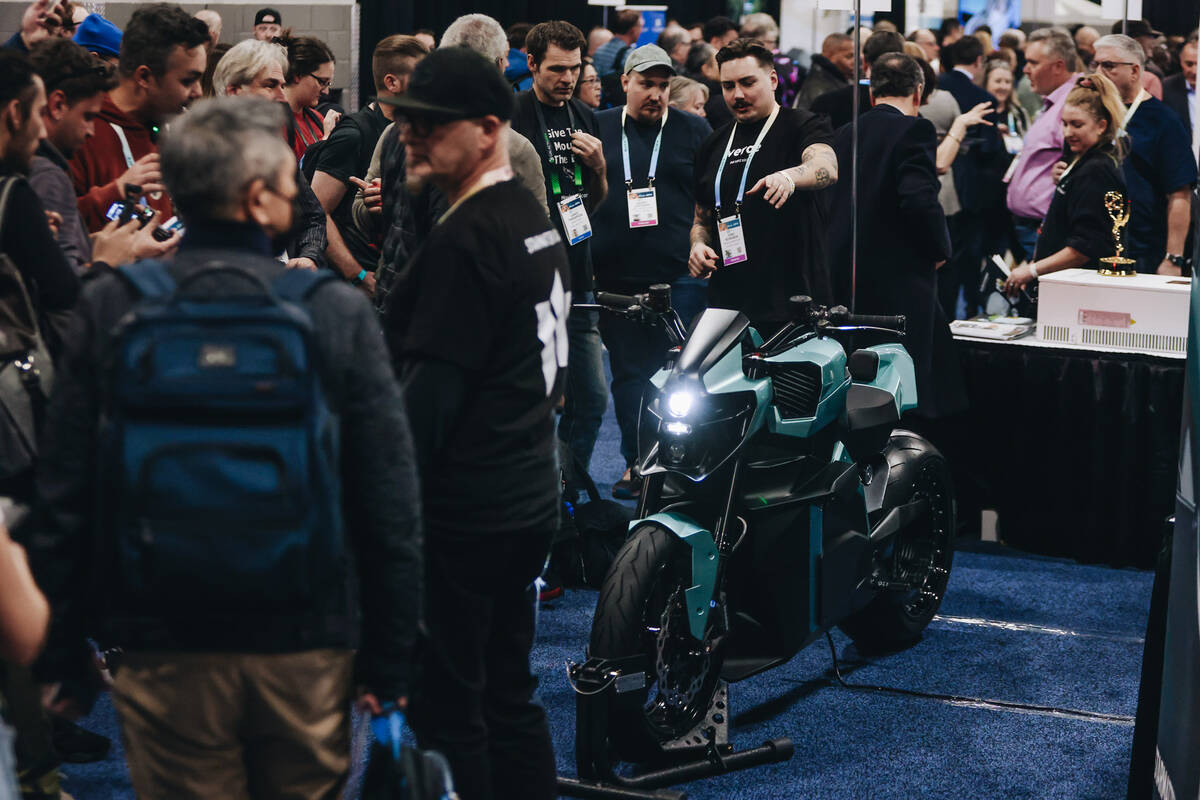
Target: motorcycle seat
869 407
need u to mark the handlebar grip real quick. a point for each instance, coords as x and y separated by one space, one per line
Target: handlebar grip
896 323
617 301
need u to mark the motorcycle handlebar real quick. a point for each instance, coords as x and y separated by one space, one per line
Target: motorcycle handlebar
896 323
617 301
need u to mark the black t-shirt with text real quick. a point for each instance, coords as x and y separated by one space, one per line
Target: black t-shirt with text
560 161
489 292
785 248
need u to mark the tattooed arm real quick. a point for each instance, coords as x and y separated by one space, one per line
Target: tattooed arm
702 260
817 170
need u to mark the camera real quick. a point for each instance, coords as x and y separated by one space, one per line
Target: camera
124 211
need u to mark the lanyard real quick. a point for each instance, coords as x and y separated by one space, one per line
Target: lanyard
554 181
1133 109
746 169
653 154
490 178
1070 167
120 132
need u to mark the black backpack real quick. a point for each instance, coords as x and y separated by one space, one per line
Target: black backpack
590 533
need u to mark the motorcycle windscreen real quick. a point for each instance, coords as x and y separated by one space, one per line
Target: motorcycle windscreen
713 333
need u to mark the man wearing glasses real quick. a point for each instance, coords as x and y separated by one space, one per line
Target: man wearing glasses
1160 168
478 333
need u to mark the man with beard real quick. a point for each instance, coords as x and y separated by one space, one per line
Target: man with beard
25 235
27 240
563 130
161 63
477 323
75 83
642 229
759 227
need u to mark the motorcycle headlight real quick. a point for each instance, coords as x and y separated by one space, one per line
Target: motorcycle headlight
680 403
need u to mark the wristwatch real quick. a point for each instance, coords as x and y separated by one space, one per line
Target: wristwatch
1179 260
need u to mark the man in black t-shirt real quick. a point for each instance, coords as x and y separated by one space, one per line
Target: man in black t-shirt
477 323
642 229
759 229
564 132
347 152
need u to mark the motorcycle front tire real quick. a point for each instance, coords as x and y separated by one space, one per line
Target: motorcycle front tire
651 568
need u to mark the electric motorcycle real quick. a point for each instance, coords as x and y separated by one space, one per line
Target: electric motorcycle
779 499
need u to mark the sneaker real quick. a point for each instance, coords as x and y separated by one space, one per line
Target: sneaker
629 487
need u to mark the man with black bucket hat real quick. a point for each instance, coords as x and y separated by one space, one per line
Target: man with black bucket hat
477 326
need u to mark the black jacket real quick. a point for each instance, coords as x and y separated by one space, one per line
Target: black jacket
822 77
838 105
901 236
1175 95
70 556
975 168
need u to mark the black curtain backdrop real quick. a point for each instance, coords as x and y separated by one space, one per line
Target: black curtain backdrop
382 18
1172 17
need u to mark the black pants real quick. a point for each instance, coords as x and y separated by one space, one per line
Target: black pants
474 701
962 272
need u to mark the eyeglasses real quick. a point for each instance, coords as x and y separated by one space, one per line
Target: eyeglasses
1109 66
590 80
324 83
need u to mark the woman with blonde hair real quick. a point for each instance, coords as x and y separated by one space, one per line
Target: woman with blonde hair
1077 230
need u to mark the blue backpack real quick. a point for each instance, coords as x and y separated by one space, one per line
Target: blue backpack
219 449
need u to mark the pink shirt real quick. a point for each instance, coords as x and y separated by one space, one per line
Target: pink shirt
1032 186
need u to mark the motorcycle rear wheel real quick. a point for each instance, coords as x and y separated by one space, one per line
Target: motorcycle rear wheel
922 552
641 611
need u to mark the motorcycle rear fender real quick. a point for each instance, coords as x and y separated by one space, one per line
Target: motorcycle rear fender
896 375
704 563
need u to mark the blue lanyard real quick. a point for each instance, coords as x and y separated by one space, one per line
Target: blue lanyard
746 169
653 154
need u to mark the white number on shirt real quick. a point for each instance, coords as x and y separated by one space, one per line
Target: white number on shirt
552 331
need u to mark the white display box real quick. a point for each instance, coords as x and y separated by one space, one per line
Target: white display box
1143 313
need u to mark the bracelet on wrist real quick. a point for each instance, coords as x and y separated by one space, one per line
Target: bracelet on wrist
1033 269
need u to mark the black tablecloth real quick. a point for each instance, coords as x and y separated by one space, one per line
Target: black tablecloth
1076 450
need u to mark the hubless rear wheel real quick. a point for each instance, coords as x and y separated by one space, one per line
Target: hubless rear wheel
921 552
641 611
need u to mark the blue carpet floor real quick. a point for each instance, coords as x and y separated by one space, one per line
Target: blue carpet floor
1071 639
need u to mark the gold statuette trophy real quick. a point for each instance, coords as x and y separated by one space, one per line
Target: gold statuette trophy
1117 207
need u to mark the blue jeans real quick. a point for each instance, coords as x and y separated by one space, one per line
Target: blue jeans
636 351
1027 234
585 399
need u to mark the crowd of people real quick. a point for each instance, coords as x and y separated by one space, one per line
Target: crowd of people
428 249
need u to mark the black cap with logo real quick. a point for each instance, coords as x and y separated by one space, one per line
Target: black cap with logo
268 16
455 83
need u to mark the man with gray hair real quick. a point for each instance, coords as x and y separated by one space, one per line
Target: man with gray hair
1050 68
256 68
1160 167
267 682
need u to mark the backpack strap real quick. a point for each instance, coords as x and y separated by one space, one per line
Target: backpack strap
297 285
150 278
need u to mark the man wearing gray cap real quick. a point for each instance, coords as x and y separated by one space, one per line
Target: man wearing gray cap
642 228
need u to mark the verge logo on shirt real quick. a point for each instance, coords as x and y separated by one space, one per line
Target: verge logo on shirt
739 154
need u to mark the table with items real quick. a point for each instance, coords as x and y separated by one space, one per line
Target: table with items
1075 442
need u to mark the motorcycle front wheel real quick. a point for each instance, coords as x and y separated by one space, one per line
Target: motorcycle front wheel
642 611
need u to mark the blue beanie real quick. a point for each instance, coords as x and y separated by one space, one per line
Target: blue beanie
98 35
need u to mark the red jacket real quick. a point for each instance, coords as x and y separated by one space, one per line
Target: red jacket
98 164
